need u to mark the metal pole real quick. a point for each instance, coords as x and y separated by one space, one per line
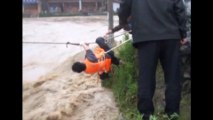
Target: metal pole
39 7
110 21
80 5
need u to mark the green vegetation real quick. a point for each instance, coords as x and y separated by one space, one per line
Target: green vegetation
123 82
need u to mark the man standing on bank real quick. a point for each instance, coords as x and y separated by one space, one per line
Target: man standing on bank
158 29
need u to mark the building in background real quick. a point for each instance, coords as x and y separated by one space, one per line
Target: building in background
33 8
73 6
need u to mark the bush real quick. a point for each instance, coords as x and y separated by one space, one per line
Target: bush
123 82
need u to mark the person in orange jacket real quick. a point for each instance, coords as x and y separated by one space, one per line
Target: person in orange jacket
97 61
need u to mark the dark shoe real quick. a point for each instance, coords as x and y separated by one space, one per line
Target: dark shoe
173 116
145 117
121 62
104 76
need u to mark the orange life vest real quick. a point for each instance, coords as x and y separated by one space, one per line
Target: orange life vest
99 52
103 64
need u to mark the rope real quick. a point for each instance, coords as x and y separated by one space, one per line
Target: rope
104 57
79 43
67 42
115 36
42 43
117 46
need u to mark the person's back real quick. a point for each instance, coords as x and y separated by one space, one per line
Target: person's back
102 65
156 19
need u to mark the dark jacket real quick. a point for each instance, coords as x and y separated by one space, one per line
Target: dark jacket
154 19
